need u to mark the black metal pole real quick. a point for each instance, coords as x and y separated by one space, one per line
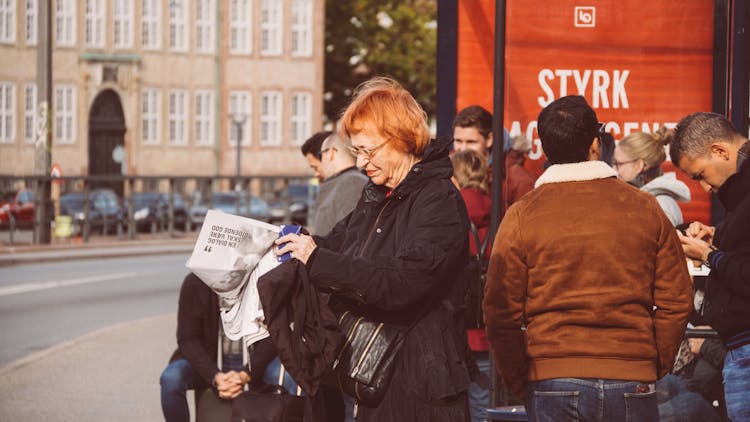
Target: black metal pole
447 64
740 66
43 153
498 153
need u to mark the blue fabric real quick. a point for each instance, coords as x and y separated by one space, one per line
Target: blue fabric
175 380
233 362
737 383
678 404
479 398
178 377
271 376
590 400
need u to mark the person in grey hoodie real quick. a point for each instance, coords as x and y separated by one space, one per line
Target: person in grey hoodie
638 158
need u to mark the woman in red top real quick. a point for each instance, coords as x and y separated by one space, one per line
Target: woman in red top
470 176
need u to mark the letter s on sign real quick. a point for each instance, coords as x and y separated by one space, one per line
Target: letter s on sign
544 75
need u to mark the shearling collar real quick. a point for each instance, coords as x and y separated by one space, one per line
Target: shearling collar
576 172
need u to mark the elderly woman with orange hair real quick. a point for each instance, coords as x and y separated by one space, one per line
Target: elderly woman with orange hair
397 256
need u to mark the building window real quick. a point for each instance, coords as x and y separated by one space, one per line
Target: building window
204 26
178 17
65 109
123 16
65 20
95 23
239 102
301 117
177 117
240 33
151 32
29 113
270 28
31 18
7 21
7 106
150 116
204 113
270 118
302 28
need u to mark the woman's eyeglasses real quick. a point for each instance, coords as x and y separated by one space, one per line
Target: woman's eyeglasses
367 152
618 164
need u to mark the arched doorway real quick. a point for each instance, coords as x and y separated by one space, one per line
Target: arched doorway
106 133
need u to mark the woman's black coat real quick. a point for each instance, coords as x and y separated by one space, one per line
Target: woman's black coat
396 257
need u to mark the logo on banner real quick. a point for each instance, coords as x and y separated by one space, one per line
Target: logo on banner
585 17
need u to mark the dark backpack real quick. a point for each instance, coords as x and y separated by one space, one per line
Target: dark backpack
475 276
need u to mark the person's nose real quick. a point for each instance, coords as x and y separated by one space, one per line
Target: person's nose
362 161
706 187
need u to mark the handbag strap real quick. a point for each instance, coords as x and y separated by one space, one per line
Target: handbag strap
481 245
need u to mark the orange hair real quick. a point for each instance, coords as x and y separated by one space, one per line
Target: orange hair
381 106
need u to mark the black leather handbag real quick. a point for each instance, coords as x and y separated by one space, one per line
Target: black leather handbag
365 363
271 404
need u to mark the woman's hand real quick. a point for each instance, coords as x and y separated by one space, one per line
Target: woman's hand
301 246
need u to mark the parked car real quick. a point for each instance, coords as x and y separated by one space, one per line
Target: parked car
229 202
106 213
19 207
297 204
151 211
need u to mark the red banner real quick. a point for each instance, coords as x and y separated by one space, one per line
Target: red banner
641 64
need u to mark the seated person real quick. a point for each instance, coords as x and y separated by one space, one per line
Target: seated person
193 365
695 383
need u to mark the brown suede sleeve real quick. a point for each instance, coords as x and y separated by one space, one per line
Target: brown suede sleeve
503 304
673 296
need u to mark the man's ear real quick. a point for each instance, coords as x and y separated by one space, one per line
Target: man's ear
720 151
595 150
489 141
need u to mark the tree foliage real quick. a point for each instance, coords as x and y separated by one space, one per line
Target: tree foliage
366 38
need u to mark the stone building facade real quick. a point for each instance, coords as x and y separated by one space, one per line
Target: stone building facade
151 87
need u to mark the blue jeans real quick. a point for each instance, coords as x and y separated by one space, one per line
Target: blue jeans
177 378
271 376
479 398
590 400
736 374
678 404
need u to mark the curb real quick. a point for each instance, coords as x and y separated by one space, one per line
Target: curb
94 253
29 254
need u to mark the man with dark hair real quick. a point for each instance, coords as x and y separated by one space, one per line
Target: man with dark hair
588 293
472 129
709 149
311 151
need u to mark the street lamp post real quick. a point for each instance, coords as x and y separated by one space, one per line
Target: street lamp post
238 119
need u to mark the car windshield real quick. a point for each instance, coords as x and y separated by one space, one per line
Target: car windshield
224 199
72 200
141 200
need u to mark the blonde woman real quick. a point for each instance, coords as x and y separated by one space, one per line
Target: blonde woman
638 158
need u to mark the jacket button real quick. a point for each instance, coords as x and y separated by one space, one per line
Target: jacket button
378 230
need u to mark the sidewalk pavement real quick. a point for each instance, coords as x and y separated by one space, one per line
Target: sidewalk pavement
110 374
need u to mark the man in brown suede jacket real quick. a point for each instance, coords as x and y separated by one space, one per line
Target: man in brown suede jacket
588 292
